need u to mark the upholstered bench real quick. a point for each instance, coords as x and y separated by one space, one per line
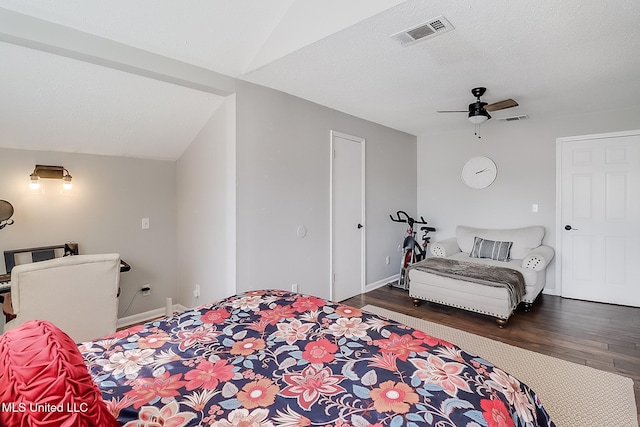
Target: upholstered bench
518 249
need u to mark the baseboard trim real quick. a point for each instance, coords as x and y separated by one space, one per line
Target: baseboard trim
380 283
143 317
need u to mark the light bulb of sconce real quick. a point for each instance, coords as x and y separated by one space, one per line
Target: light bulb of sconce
66 182
34 182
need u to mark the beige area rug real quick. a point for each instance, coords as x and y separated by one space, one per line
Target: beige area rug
573 395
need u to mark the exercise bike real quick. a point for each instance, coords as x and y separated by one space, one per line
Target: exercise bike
412 251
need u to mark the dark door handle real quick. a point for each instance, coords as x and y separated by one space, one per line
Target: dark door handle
360 226
569 228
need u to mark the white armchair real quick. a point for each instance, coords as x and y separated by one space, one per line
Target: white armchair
79 294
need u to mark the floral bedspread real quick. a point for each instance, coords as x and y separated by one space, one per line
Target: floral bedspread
274 358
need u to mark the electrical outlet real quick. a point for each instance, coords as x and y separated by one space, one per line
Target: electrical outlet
387 260
145 223
196 291
146 290
294 287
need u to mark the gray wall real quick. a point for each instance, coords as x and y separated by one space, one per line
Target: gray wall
102 213
283 182
525 154
275 148
238 189
206 211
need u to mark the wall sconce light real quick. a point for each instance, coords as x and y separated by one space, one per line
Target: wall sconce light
50 172
6 211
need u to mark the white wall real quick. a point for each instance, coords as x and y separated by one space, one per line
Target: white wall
283 159
206 211
102 213
524 152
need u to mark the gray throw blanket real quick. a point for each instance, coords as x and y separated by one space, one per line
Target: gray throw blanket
478 273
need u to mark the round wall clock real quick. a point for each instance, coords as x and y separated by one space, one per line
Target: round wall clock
479 172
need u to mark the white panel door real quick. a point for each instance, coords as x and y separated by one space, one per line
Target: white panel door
600 219
347 225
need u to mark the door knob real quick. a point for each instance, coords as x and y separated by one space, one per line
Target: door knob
569 228
360 226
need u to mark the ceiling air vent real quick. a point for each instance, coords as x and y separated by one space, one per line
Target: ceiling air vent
431 28
513 118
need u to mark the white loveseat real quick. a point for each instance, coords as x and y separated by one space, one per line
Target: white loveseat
527 255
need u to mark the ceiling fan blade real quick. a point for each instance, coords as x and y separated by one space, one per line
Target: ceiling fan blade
453 111
501 105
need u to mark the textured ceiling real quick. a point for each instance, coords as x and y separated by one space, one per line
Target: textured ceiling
555 58
50 102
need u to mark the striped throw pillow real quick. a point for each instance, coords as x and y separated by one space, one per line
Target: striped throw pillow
483 248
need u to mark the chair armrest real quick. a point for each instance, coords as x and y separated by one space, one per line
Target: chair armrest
445 248
539 258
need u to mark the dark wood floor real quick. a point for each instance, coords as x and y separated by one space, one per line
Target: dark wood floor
602 336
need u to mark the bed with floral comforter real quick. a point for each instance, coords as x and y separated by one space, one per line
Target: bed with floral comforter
274 358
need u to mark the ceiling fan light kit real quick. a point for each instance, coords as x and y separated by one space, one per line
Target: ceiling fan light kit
478 115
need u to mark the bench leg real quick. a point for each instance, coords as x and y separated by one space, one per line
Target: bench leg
416 302
501 322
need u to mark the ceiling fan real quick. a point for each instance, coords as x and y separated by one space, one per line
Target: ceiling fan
479 111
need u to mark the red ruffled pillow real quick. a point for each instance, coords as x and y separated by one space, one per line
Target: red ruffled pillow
44 381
